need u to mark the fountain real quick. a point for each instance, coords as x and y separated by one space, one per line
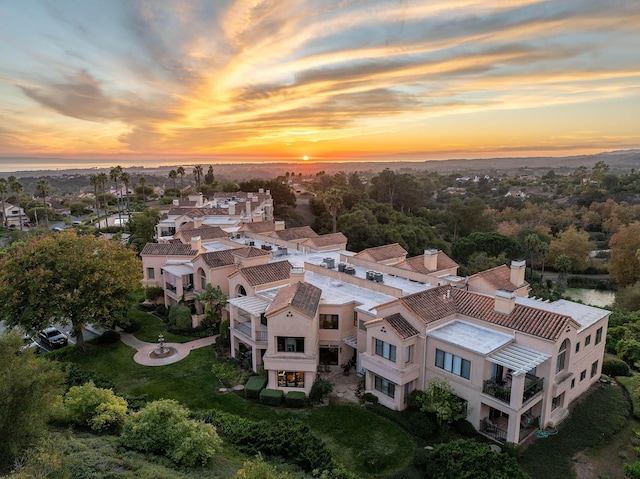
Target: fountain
162 351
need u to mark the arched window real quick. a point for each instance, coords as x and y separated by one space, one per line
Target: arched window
203 279
242 291
562 355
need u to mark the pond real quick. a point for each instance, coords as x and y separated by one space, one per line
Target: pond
595 297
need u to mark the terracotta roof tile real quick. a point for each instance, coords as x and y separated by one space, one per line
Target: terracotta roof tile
205 232
258 227
417 263
401 326
498 277
291 234
266 273
168 249
300 295
384 252
438 303
217 259
327 240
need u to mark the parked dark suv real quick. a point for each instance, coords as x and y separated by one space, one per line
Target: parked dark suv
53 338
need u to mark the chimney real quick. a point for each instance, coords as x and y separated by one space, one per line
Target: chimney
517 272
232 208
505 301
176 202
197 222
196 243
248 209
431 259
260 190
297 274
279 225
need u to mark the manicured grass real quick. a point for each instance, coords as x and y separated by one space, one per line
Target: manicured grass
593 421
152 326
631 383
369 445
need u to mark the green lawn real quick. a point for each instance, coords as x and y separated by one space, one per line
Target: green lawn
593 421
151 326
369 445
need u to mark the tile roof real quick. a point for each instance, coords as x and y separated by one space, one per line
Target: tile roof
384 252
200 212
300 295
327 240
258 227
291 234
205 232
401 326
443 301
168 249
266 273
217 259
498 277
417 263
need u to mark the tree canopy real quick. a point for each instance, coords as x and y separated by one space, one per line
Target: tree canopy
65 278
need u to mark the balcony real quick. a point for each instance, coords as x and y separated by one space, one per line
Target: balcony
499 390
491 429
170 287
246 330
532 386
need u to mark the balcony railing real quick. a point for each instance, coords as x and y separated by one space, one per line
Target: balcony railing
246 330
532 386
493 431
497 390
170 287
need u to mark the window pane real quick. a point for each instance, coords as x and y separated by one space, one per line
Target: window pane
448 361
457 365
440 358
466 369
392 353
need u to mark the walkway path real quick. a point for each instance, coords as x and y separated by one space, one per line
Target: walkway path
144 349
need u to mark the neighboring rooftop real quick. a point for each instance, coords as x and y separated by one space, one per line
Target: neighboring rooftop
470 336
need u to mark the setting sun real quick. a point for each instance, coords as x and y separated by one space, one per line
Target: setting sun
305 158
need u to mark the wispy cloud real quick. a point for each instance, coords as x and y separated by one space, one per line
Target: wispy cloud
259 76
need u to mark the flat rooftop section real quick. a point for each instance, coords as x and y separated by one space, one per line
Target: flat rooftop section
470 336
584 315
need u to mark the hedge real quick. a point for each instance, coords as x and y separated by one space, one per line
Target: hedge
295 399
615 367
254 385
271 397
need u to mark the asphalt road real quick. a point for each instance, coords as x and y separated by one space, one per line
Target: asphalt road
87 334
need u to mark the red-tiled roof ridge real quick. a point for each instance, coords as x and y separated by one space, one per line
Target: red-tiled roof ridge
301 232
401 326
384 252
416 263
168 249
300 295
266 273
499 277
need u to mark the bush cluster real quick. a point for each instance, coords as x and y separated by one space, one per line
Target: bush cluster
93 407
289 439
108 337
319 389
295 399
271 397
254 385
615 367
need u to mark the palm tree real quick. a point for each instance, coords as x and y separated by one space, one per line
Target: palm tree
126 180
181 172
16 189
143 184
114 174
563 265
197 173
4 189
103 178
532 243
95 182
332 200
544 249
214 301
42 189
173 174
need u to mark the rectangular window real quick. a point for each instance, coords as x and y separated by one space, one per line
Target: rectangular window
385 386
407 354
587 340
599 336
328 321
453 364
386 350
573 383
355 319
291 379
290 345
583 375
151 273
594 369
577 347
361 325
557 401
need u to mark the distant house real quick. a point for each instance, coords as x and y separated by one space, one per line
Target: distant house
516 194
12 214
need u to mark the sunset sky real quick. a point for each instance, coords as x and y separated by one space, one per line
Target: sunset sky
346 80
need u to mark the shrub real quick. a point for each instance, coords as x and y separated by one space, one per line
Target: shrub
370 397
108 337
179 318
615 367
153 293
254 385
271 397
96 408
319 389
164 428
133 326
147 307
295 399
76 375
424 425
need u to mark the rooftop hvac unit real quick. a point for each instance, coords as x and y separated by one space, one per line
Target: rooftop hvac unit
252 243
266 247
341 267
330 262
370 275
377 277
349 270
